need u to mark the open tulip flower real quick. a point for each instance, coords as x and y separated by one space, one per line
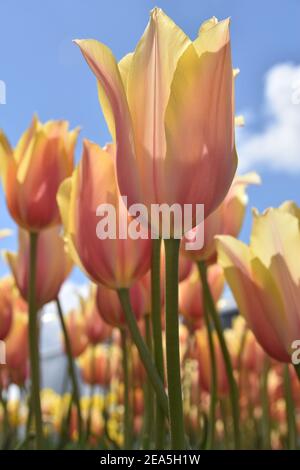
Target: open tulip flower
53 265
264 277
114 262
173 147
32 172
159 103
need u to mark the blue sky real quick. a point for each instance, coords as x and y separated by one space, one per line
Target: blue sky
45 73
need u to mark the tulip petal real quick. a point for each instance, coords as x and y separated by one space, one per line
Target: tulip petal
152 67
124 67
256 294
199 121
275 239
6 155
114 105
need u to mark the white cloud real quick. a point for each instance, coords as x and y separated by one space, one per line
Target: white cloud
277 145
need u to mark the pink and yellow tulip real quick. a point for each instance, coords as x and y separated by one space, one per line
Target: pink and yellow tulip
264 278
32 172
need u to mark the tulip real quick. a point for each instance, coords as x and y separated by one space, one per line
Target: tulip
6 309
205 363
159 103
52 267
96 329
227 219
32 172
116 262
191 295
94 365
113 261
264 278
16 342
110 308
75 325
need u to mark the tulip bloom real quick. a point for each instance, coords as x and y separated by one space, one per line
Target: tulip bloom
191 296
32 172
264 278
205 364
160 105
94 365
16 342
53 265
6 307
227 219
97 330
75 325
109 305
114 262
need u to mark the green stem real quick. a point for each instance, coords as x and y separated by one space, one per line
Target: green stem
148 394
290 409
143 350
223 408
91 393
172 345
157 337
127 420
297 369
266 425
213 366
227 361
34 343
71 367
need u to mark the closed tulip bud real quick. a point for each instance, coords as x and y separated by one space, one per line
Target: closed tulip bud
95 365
108 259
75 325
264 278
138 401
6 308
227 219
33 171
110 309
97 330
138 371
16 342
53 265
205 364
191 297
160 105
253 355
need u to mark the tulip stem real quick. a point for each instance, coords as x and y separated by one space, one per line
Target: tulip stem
148 393
143 350
266 426
297 369
290 409
213 367
34 343
71 368
127 417
157 337
172 345
228 366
